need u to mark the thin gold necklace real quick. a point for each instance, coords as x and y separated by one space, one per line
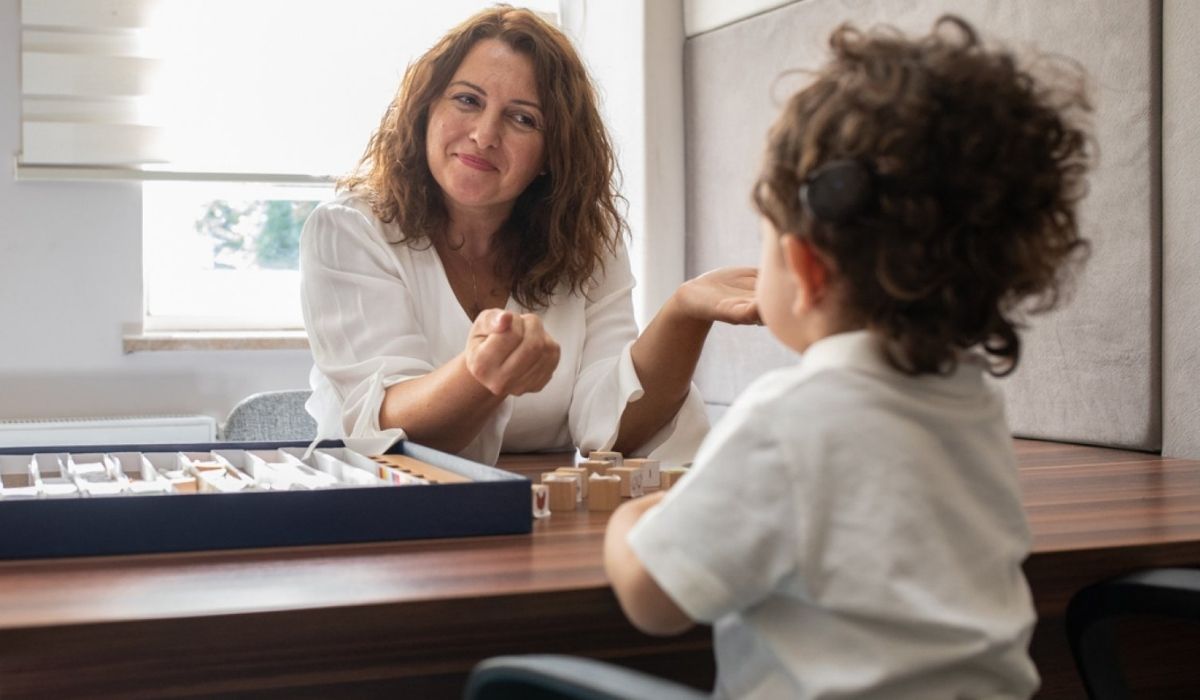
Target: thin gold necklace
457 250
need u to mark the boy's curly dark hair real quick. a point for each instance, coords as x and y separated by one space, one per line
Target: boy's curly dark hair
975 170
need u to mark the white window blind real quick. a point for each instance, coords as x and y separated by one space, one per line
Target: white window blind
252 90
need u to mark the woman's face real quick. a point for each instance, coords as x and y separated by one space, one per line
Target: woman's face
485 140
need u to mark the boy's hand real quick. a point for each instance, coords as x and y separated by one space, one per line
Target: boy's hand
510 354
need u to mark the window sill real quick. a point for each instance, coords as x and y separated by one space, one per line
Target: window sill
214 340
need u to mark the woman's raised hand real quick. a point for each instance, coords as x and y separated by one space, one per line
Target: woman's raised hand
725 294
510 354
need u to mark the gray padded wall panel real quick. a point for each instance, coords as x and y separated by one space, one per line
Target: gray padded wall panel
1089 373
1181 230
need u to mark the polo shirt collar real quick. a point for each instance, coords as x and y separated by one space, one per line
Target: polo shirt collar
850 350
861 351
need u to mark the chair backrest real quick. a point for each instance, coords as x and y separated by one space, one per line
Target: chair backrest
1094 611
557 677
270 416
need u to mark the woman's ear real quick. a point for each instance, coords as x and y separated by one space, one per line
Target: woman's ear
808 271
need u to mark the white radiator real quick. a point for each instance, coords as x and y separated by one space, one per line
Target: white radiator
137 430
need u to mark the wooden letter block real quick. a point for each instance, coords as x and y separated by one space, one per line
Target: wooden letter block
570 475
604 492
596 466
631 480
650 470
541 500
599 456
562 492
580 472
670 475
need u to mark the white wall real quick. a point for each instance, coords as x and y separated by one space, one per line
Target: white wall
706 15
70 279
634 51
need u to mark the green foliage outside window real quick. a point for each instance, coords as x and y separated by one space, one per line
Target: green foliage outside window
258 234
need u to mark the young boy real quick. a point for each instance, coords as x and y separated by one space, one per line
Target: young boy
853 526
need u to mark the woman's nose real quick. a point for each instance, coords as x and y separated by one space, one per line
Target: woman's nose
485 132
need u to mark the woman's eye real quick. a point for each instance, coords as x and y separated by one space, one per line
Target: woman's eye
466 99
524 121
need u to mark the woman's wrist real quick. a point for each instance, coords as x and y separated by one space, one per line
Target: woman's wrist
682 312
465 382
447 400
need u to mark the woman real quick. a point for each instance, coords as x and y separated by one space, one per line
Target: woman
470 285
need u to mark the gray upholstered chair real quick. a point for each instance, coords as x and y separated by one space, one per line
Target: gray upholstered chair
274 416
552 677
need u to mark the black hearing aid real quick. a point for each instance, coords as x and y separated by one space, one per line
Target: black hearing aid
838 191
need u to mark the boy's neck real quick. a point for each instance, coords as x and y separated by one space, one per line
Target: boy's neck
818 326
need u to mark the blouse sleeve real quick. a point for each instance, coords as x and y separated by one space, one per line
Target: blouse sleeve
607 381
359 312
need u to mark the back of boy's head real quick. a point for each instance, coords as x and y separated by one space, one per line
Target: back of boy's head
940 181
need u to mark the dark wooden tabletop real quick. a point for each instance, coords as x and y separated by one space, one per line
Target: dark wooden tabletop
366 615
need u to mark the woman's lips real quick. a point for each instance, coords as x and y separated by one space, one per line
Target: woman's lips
474 162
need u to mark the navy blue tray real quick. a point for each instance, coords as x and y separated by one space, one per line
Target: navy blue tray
495 503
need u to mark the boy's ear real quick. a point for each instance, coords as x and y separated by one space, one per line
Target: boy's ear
808 271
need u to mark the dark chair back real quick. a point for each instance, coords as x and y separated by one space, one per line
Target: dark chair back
552 677
1094 611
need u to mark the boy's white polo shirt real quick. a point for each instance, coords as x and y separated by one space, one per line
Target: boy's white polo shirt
853 532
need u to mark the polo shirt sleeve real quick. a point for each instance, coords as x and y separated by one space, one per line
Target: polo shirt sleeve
359 313
726 535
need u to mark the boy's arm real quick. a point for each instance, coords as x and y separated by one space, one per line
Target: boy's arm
645 603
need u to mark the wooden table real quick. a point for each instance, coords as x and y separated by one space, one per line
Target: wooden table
409 619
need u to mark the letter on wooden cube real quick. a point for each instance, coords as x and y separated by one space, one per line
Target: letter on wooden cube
581 473
541 500
650 470
631 480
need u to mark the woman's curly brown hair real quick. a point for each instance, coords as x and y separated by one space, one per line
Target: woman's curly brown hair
976 170
566 222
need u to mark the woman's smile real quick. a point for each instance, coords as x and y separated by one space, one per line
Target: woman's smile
475 162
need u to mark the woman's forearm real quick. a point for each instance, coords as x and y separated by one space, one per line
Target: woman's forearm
444 409
665 358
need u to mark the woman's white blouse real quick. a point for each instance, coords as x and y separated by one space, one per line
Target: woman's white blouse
380 313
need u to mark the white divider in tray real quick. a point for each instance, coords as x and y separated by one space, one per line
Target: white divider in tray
171 467
92 474
140 475
51 477
18 480
348 473
277 470
215 474
95 474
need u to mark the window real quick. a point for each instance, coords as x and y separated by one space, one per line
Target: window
237 115
223 255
